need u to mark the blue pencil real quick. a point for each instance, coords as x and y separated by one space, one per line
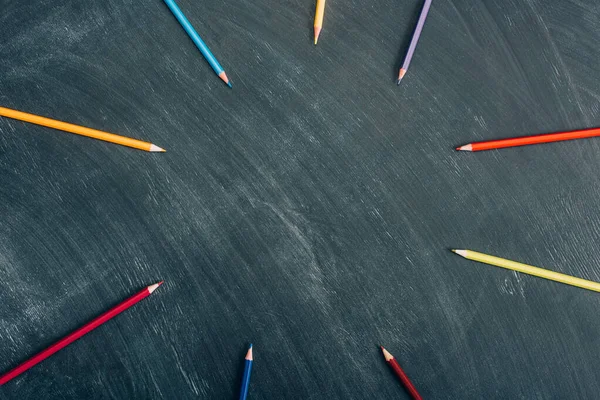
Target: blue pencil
246 378
198 41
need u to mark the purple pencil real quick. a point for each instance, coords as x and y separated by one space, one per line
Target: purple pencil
415 40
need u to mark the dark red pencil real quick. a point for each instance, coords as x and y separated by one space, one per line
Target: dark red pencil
67 340
403 378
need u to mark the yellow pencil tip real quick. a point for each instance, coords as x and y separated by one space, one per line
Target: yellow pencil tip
317 33
453 250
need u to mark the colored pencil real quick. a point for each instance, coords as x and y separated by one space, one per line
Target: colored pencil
198 41
79 130
529 269
527 140
414 40
319 13
400 373
67 340
246 379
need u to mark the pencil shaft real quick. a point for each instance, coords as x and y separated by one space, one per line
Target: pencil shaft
76 129
319 13
416 35
246 380
187 26
531 270
404 379
537 139
74 336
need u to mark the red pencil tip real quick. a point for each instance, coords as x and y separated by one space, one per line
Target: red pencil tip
386 354
152 288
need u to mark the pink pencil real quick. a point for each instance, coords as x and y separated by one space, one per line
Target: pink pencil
67 340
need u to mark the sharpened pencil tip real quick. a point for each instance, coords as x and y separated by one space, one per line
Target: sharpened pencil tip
386 354
466 147
317 33
155 149
152 288
462 253
401 75
249 354
224 78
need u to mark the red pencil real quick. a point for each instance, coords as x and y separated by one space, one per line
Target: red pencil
67 340
525 140
403 378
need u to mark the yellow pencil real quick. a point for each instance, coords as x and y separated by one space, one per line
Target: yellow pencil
319 18
529 269
79 130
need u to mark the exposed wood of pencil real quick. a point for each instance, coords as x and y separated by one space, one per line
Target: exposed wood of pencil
401 375
529 269
64 342
79 130
527 140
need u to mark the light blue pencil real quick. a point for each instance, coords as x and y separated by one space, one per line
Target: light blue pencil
246 378
198 41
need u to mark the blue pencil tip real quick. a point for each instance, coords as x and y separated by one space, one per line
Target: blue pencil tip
250 345
229 84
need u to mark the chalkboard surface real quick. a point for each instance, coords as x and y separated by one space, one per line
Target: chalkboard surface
309 210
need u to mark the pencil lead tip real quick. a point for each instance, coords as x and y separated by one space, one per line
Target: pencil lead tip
152 288
155 149
249 354
224 78
462 253
400 76
317 33
466 147
229 84
386 354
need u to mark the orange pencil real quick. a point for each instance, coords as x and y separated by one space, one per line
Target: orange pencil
526 140
319 13
79 130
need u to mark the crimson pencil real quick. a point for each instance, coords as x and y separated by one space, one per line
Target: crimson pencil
67 340
403 378
526 140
